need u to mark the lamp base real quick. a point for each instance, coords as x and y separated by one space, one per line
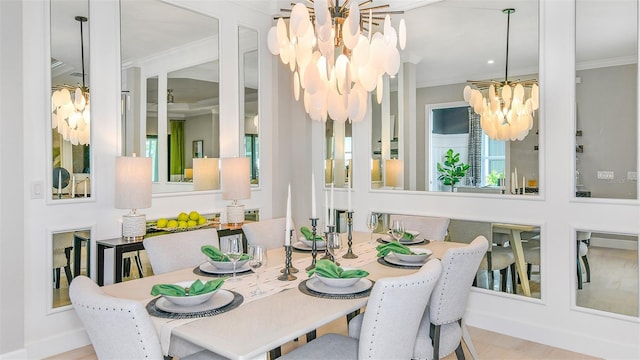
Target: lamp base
235 214
134 227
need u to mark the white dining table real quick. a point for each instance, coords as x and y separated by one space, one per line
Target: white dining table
262 323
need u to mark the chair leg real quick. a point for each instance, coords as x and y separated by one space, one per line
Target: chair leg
586 268
436 342
503 280
529 266
579 273
460 352
139 265
514 275
56 278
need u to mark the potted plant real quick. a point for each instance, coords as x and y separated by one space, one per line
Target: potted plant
452 170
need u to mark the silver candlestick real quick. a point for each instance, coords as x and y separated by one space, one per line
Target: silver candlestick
292 268
349 254
286 274
314 246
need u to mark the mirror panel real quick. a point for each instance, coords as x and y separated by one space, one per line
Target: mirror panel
70 100
249 98
607 272
170 77
606 60
70 253
438 81
338 153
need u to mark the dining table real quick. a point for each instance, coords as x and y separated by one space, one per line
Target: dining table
284 311
514 231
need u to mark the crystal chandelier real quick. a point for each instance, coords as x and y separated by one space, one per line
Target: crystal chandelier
70 114
505 114
335 56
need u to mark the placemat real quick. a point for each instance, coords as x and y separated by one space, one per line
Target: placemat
384 262
153 311
197 271
423 242
305 290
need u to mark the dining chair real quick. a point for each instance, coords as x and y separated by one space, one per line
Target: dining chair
179 250
268 233
442 328
583 238
118 328
498 258
62 246
389 324
430 227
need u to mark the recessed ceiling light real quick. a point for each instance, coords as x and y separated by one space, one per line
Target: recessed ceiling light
490 62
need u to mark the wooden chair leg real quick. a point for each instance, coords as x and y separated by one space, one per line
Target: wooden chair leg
460 352
503 280
514 275
56 278
436 342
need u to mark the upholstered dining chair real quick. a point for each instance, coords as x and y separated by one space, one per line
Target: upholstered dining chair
62 246
179 250
269 233
498 258
430 227
389 324
118 328
583 238
442 327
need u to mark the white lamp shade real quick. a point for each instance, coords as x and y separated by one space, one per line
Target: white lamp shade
393 173
133 182
236 178
206 173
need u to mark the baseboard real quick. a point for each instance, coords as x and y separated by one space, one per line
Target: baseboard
56 344
14 355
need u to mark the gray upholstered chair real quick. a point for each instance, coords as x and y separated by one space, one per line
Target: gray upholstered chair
389 324
179 250
583 239
62 246
430 227
441 329
118 328
498 258
269 233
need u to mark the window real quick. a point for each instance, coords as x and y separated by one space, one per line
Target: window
152 152
493 160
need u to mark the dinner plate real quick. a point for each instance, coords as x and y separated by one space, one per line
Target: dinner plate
392 259
209 268
404 242
298 245
318 286
219 299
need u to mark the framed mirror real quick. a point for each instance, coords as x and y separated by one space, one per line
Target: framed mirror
170 75
70 256
338 153
606 59
250 98
431 117
70 101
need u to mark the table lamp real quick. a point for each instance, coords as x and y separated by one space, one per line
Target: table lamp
206 173
236 185
133 191
393 169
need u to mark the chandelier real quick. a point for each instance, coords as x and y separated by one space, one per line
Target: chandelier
504 113
70 114
335 56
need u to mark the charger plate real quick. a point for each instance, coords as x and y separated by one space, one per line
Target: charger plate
314 287
221 302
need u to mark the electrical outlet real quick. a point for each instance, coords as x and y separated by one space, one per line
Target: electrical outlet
605 175
632 175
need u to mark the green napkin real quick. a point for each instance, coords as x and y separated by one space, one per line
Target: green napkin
216 255
308 234
328 269
197 288
393 246
408 236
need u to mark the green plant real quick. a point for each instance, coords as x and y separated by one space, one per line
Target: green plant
493 178
452 170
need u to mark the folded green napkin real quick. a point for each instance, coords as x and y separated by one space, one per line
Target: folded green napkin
408 236
216 255
308 234
393 246
197 288
328 269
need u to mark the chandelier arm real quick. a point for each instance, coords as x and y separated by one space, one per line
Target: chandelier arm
506 62
375 7
82 19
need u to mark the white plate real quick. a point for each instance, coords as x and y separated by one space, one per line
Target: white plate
318 286
420 255
392 259
304 247
208 268
308 243
402 241
219 299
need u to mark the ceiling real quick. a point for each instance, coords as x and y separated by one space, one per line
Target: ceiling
451 40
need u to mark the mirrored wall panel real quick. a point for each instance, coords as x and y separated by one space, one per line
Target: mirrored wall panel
70 100
170 79
428 136
606 136
338 153
249 98
607 272
70 257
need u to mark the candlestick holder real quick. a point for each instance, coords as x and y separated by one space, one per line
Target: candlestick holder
292 269
287 275
349 254
314 246
327 234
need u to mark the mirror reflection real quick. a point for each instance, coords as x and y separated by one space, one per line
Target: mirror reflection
249 98
607 272
70 252
170 77
70 100
606 60
425 110
338 153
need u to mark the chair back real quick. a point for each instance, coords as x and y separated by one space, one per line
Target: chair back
394 311
179 250
268 233
430 227
118 328
459 268
465 231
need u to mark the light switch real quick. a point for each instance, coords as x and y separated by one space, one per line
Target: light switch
36 190
605 175
632 175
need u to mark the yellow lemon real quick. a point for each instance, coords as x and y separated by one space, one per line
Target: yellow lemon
182 224
172 223
192 223
202 220
183 216
162 223
194 215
